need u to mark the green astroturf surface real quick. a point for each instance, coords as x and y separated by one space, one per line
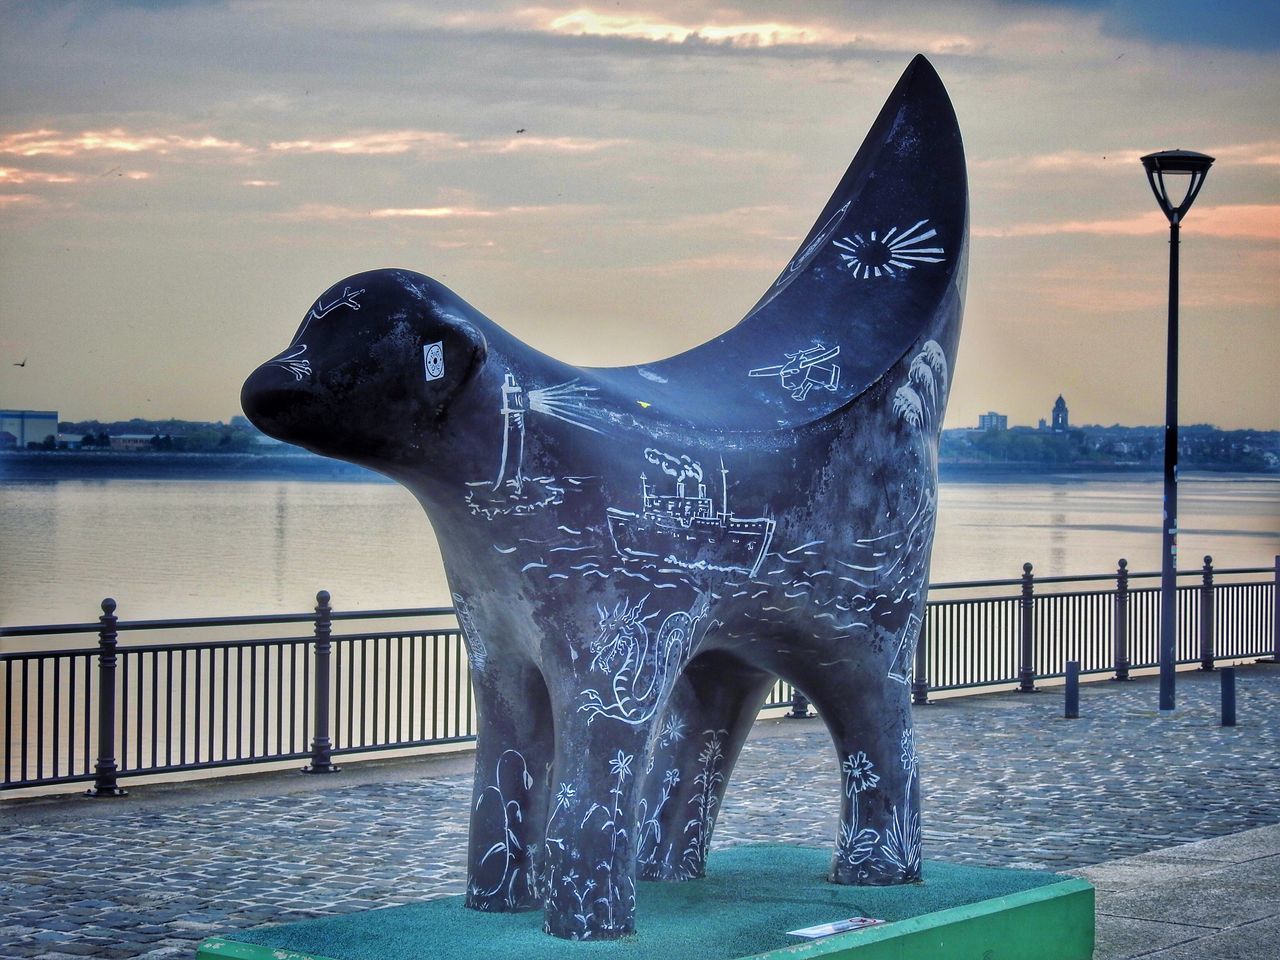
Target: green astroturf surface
750 897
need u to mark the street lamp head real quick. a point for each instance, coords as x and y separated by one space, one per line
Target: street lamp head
1176 164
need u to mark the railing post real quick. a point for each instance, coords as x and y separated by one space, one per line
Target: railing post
321 745
799 706
1071 708
1275 615
1206 616
1122 621
1026 656
920 672
104 770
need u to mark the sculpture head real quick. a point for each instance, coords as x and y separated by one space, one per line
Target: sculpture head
372 371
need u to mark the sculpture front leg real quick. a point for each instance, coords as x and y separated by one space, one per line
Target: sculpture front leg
589 878
509 797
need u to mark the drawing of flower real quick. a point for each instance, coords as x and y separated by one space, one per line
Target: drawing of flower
713 751
673 730
910 761
671 778
858 776
565 794
902 847
620 766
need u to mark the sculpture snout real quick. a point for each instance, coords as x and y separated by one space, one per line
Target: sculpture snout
277 399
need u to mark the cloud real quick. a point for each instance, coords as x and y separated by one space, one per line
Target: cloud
547 144
1252 154
331 212
260 183
53 143
16 177
1259 221
433 213
761 35
395 142
18 199
385 143
1265 154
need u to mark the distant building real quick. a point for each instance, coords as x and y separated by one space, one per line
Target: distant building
29 426
132 441
69 441
1043 424
993 421
1060 422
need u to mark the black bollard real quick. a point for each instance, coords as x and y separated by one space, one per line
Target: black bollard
1073 690
799 706
1228 696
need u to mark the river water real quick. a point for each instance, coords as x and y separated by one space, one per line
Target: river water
171 548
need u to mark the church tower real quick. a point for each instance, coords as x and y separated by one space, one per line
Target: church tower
1059 415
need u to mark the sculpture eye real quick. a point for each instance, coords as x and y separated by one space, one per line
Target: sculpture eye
433 359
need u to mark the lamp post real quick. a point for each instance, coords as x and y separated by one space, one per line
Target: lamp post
1163 167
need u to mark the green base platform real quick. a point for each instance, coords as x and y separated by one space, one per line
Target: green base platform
749 899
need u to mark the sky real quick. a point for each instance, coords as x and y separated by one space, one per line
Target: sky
616 182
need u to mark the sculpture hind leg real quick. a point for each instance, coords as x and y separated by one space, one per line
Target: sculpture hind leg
509 797
869 719
711 710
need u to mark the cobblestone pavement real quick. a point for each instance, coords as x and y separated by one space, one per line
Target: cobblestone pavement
1007 782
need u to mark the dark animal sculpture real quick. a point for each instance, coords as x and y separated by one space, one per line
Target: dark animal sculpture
636 552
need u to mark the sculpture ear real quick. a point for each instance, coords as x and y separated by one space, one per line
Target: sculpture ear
462 352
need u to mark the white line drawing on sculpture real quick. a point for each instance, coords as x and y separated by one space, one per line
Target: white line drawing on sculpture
649 838
902 666
515 864
855 845
685 529
806 255
699 828
570 401
477 652
641 666
512 493
620 767
875 256
804 370
902 844
321 309
292 362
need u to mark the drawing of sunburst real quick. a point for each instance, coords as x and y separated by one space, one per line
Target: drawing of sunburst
877 255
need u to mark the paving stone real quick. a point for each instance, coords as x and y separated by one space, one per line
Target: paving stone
1118 938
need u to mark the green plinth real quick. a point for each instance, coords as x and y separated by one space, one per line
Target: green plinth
749 899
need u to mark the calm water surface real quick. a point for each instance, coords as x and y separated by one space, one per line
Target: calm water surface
222 547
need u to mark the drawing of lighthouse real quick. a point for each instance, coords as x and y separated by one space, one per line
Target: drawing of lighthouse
513 493
512 411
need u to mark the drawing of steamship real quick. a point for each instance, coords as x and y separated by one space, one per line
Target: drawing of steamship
686 530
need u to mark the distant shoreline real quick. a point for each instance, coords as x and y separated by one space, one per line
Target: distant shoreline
35 465
119 465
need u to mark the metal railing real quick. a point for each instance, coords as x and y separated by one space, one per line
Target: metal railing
115 710
1108 626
